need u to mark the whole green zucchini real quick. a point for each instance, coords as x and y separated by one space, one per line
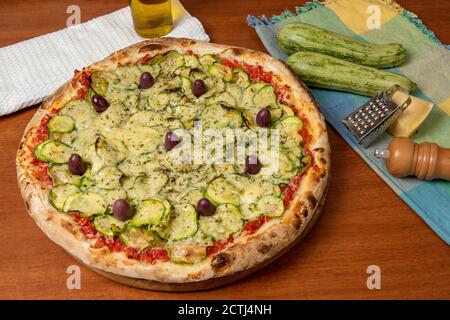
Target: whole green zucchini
298 36
320 70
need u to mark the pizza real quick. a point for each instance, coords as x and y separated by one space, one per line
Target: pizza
110 169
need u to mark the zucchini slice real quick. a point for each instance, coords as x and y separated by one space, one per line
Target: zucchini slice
184 222
208 59
60 124
150 212
214 85
222 191
60 174
145 67
191 61
185 251
254 189
282 169
141 139
100 81
128 76
221 71
87 181
225 99
80 111
147 118
183 71
53 152
287 111
112 117
107 153
166 204
265 97
108 178
86 203
83 141
137 238
289 130
191 250
241 78
170 62
110 196
249 93
158 101
135 166
270 206
226 221
216 116
59 194
67 138
108 225
193 196
186 88
148 186
235 91
186 114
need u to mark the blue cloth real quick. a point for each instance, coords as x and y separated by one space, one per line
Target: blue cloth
429 199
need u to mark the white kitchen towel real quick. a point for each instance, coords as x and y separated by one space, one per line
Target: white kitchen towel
33 69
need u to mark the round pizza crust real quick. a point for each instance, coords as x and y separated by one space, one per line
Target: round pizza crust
246 254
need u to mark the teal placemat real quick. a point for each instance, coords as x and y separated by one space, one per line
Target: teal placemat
428 65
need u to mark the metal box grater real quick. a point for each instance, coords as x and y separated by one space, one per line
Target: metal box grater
373 118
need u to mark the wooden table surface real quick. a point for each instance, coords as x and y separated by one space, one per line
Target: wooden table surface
364 222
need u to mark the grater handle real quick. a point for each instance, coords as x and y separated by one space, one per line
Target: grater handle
400 96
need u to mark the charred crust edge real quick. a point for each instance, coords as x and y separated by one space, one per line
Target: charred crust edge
220 261
312 201
151 47
263 248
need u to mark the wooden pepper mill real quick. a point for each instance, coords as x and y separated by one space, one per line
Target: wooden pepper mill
426 161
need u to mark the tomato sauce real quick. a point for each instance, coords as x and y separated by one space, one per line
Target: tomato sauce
252 226
218 246
85 81
40 171
114 244
145 58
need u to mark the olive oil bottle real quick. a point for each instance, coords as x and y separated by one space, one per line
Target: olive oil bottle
151 18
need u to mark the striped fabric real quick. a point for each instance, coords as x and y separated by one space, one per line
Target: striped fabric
33 69
428 65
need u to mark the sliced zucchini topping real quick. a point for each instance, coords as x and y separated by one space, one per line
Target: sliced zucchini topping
86 203
219 116
61 124
111 156
53 152
241 78
108 225
183 223
60 174
59 194
138 238
270 206
289 130
150 212
108 178
208 59
221 191
227 220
